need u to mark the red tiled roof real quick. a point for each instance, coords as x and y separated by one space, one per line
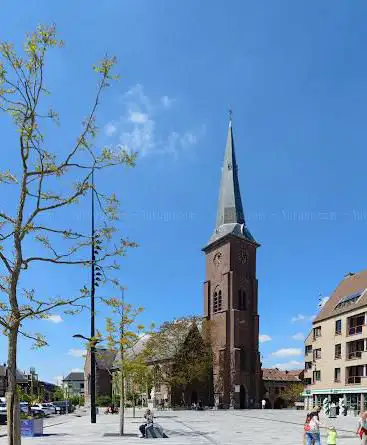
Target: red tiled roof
282 376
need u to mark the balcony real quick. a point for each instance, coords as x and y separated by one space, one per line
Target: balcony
355 380
355 324
354 355
355 374
355 349
355 330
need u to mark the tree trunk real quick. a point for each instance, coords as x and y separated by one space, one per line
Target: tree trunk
12 398
122 400
134 405
183 396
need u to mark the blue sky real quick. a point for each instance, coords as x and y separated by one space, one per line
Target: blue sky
294 74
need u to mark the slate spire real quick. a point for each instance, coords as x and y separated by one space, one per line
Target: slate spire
230 209
230 215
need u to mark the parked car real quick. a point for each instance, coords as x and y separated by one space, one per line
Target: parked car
46 408
38 410
55 409
2 408
65 406
2 413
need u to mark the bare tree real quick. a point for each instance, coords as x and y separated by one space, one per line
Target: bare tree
48 182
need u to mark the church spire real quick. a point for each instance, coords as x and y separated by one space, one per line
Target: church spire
230 209
230 215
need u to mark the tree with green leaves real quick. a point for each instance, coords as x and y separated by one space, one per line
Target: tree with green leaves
124 333
292 393
181 353
139 377
39 226
58 395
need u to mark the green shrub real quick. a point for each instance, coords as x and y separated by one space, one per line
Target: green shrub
76 400
103 401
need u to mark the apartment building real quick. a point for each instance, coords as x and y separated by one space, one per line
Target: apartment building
336 348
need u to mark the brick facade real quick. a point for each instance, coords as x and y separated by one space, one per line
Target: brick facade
231 269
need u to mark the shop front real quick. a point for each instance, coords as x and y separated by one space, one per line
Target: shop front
354 399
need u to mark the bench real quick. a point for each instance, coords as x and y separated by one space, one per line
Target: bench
154 431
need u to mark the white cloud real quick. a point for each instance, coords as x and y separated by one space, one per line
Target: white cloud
292 364
300 336
323 301
137 117
287 352
140 128
77 352
166 101
77 370
302 318
110 129
264 338
54 318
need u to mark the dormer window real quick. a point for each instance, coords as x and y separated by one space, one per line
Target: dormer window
349 300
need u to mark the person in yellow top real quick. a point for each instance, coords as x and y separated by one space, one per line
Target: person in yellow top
332 435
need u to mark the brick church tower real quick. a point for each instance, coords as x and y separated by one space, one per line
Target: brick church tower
230 296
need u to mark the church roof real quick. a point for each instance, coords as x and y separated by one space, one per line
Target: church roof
104 358
230 215
132 352
171 347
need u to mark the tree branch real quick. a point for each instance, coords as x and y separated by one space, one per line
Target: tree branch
6 262
36 339
50 307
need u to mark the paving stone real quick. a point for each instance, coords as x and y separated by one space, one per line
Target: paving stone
260 427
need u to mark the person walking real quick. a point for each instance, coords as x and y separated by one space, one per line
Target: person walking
263 403
332 435
362 428
312 429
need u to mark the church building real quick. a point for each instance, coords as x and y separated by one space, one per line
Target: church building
230 306
231 296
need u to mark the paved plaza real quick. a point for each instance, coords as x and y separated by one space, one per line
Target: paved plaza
192 427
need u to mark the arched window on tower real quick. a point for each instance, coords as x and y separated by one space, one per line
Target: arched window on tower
217 300
242 360
242 300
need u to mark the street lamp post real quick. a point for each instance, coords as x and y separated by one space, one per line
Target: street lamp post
122 371
95 277
93 416
92 342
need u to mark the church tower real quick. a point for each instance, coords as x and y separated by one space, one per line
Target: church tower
230 296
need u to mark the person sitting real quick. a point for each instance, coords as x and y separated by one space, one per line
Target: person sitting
149 421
